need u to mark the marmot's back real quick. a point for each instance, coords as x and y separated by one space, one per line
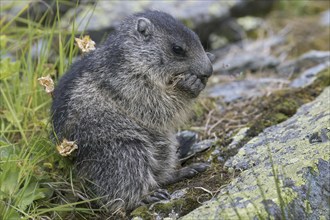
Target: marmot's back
122 102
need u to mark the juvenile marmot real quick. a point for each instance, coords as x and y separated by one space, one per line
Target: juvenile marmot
122 102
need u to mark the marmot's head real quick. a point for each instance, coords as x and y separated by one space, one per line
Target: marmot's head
161 50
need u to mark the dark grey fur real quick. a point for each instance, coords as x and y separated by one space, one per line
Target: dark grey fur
122 102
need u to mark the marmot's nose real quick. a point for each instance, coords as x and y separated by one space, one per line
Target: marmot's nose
210 56
208 70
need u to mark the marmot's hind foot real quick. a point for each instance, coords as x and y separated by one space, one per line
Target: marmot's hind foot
156 196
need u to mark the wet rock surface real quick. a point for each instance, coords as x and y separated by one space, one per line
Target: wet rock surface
290 157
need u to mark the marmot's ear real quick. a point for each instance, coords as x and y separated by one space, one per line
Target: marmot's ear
144 26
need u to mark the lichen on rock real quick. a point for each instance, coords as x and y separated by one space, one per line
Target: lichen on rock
284 174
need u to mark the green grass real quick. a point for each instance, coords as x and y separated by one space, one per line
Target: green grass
35 182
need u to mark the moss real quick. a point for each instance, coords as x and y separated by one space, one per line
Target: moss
287 107
181 206
322 81
284 103
279 117
142 212
164 209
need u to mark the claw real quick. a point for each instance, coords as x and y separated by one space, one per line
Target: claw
200 167
164 193
156 196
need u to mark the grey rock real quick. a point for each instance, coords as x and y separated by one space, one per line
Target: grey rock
241 134
280 179
316 192
179 193
308 76
325 18
307 60
247 56
245 88
314 56
252 61
319 137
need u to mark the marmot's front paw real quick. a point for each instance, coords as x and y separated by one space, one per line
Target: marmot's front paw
193 170
188 172
191 85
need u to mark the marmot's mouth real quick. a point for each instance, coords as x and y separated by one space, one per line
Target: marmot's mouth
179 76
176 78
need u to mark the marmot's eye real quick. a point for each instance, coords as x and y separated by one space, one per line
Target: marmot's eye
178 50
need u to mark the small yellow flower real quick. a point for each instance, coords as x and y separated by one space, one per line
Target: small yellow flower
85 44
47 82
66 147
